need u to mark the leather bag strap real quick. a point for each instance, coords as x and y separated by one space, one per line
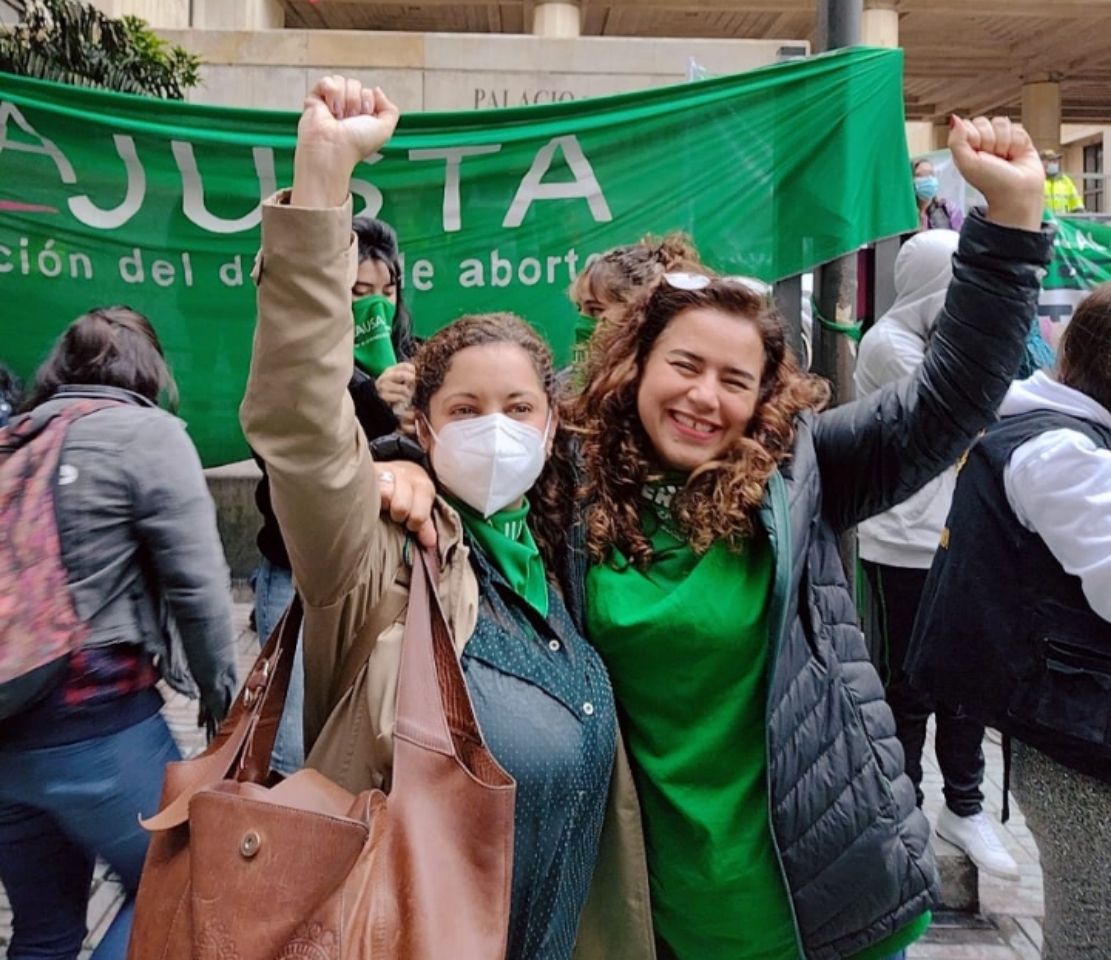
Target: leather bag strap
433 706
242 748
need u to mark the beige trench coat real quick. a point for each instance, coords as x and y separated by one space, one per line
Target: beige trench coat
349 564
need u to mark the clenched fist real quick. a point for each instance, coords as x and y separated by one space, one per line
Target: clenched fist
341 123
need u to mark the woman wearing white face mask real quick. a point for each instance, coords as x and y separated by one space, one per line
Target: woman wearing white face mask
485 402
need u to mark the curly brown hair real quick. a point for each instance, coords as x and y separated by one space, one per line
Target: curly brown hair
720 499
619 276
552 496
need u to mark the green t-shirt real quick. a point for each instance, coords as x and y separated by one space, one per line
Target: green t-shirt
686 644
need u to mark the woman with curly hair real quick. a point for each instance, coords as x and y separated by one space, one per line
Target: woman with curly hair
777 820
485 400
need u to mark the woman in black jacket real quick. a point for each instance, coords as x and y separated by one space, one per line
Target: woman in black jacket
777 818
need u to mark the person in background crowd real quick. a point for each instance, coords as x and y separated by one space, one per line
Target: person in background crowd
934 211
383 380
896 549
1061 195
381 387
11 393
610 282
777 821
1015 620
486 402
138 536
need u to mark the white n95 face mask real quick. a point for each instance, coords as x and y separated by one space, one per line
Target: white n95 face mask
489 462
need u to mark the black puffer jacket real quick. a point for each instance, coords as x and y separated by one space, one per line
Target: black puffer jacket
855 850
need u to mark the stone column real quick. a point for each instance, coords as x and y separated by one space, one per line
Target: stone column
1041 111
238 15
920 137
880 26
160 14
557 20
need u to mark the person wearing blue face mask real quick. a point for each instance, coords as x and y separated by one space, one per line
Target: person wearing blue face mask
934 211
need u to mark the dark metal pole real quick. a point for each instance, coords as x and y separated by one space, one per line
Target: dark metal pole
838 24
835 292
835 283
788 301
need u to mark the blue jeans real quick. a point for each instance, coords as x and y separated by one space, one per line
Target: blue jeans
273 593
60 808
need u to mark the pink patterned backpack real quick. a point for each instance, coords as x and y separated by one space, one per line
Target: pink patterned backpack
39 626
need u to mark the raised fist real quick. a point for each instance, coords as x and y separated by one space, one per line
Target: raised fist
342 122
998 158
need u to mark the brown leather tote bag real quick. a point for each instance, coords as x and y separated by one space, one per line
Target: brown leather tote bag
304 870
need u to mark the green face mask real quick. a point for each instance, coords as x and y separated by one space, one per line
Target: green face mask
584 328
374 316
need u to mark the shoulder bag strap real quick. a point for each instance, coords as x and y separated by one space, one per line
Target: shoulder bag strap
433 706
242 748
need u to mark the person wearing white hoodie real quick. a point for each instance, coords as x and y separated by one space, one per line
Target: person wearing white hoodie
896 549
1015 619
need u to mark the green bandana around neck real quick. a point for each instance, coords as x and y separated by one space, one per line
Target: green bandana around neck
374 316
506 539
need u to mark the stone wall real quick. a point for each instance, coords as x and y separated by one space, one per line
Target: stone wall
273 69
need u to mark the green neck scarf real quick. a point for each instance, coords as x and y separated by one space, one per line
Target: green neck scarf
506 539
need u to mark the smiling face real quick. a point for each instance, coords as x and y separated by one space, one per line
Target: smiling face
700 385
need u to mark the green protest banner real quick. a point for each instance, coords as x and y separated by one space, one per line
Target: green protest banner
106 198
1081 260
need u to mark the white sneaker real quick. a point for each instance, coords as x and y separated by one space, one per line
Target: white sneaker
977 838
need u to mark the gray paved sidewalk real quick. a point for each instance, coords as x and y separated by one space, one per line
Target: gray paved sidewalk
1014 910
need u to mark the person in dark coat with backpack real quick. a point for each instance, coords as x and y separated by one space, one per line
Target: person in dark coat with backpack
135 589
1015 620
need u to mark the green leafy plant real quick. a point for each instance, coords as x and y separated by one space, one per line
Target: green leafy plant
70 41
